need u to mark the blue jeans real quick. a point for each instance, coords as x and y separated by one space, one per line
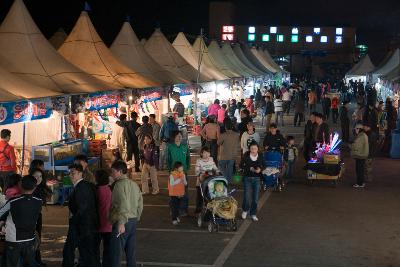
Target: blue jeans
226 167
279 115
289 169
125 242
251 186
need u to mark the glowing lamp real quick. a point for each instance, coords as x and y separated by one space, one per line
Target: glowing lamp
309 39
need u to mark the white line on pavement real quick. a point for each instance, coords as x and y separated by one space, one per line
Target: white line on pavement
144 263
220 261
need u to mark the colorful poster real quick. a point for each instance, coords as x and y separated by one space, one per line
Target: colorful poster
102 100
150 95
13 112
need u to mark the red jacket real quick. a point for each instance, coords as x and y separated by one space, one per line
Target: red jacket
334 103
104 202
7 157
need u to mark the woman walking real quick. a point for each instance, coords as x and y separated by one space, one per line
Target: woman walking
252 165
360 151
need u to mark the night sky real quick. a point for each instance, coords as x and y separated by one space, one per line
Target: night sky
377 21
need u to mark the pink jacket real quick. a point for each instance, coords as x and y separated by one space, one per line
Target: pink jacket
213 110
221 115
104 200
14 191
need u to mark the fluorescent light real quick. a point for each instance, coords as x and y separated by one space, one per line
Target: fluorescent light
324 39
251 37
317 30
252 29
295 30
265 37
339 31
295 38
273 29
309 39
280 38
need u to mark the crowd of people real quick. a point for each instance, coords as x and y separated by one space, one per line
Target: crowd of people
106 206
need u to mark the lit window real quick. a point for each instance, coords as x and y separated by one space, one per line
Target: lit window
265 37
295 38
279 38
273 29
339 31
309 39
251 37
228 29
252 29
227 37
324 39
339 39
295 30
317 30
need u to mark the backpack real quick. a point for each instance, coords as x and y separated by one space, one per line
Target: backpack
4 154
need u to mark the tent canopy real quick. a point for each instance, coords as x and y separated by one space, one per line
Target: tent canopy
362 68
85 49
391 63
271 61
253 59
242 57
161 50
230 55
58 38
182 45
127 48
215 51
25 52
263 59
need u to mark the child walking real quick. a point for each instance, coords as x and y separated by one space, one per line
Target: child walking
176 190
204 165
290 156
149 165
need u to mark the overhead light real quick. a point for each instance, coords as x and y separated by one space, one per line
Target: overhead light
324 39
295 39
252 29
295 30
265 38
339 31
309 39
317 30
280 38
273 29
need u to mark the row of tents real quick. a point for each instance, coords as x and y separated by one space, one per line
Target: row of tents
30 67
388 70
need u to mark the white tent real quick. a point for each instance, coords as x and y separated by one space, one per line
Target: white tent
230 55
360 70
242 57
143 41
25 52
58 38
127 48
391 64
253 59
200 48
85 49
271 61
263 59
182 45
215 51
161 50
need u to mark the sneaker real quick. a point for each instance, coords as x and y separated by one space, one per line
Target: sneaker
244 215
145 193
359 186
254 218
155 192
178 220
175 222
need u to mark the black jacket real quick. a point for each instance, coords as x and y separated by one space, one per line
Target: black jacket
22 214
83 208
247 163
344 115
242 127
309 131
274 141
326 103
321 133
269 108
130 130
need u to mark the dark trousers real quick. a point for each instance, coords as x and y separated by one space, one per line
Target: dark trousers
106 239
360 169
212 144
4 179
199 200
307 147
345 131
125 242
133 149
286 107
87 246
326 113
39 226
251 187
298 117
175 204
335 115
24 251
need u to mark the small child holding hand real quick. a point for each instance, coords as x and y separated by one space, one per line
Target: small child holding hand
176 190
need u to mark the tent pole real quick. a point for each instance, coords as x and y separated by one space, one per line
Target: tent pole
23 148
196 90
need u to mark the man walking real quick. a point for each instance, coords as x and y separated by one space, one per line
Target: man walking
326 106
83 222
132 142
228 143
126 209
345 122
269 110
142 131
8 165
278 105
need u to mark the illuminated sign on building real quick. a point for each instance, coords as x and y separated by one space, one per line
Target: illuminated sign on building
317 30
251 37
273 29
339 39
228 33
280 38
309 39
295 30
339 31
252 29
324 39
265 37
295 39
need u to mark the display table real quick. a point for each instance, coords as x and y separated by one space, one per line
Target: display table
323 171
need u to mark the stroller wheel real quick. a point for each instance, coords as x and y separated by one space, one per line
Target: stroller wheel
265 188
199 221
210 227
234 226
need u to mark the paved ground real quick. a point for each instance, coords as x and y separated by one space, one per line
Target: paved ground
303 226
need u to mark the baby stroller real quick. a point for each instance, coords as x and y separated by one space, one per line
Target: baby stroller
219 207
273 162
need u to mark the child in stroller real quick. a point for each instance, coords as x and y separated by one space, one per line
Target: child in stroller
219 206
272 175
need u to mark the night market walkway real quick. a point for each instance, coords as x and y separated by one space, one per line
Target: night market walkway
304 225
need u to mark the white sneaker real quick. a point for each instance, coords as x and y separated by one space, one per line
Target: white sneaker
254 218
244 215
179 220
175 222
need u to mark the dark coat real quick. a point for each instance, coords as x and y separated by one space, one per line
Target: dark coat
82 205
322 133
247 163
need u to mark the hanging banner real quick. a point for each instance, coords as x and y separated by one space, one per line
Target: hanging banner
95 101
151 95
27 110
184 89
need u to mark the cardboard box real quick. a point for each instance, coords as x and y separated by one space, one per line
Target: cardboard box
331 159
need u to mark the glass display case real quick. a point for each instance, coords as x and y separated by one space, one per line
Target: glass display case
57 156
